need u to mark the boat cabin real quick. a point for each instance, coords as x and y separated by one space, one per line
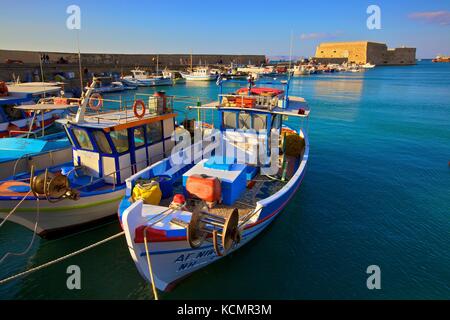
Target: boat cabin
113 145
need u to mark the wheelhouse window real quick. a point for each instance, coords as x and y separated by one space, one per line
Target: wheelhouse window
82 138
139 137
102 142
245 121
259 121
229 120
153 132
120 140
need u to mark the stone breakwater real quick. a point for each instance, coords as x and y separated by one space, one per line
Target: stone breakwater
25 64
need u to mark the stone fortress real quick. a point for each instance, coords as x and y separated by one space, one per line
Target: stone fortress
362 52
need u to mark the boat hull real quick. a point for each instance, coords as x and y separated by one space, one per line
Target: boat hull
190 77
60 218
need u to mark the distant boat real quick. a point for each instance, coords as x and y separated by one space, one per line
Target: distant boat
368 65
199 74
301 71
441 59
142 78
106 85
176 76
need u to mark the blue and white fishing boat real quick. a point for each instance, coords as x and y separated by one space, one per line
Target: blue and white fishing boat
142 78
212 202
107 148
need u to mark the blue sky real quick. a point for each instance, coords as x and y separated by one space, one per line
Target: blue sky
239 27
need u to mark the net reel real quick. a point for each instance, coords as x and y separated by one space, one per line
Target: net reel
225 232
55 187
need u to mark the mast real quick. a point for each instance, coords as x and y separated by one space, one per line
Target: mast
157 64
191 60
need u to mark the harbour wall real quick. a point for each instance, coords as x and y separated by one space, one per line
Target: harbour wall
29 65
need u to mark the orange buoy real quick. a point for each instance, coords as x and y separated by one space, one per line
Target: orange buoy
138 114
98 98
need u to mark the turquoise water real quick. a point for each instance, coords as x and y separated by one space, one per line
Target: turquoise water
377 192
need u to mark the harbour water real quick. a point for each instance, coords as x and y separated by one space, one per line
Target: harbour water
377 192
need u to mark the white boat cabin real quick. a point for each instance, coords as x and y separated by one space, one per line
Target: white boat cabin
114 145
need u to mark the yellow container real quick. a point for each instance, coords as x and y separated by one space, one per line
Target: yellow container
150 193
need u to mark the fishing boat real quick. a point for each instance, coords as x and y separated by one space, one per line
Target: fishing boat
106 85
175 75
142 78
199 74
16 122
368 65
18 155
107 148
216 201
301 71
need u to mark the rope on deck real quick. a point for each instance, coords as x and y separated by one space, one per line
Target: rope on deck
45 265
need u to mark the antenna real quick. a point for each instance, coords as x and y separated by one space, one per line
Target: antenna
79 60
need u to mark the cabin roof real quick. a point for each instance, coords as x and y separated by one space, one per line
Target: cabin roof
117 120
294 105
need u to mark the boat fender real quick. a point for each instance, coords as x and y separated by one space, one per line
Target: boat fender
95 101
138 114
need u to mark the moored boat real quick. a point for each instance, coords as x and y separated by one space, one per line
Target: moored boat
368 65
108 147
106 85
217 203
15 122
199 74
142 78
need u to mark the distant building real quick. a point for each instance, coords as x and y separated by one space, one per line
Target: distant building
362 52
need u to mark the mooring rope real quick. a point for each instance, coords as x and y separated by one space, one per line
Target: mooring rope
32 239
14 209
150 270
42 266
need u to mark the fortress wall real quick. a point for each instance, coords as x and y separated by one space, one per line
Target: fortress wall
363 51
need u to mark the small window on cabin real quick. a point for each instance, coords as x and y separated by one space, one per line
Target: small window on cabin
102 142
245 121
153 132
229 120
83 139
139 137
259 121
120 140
